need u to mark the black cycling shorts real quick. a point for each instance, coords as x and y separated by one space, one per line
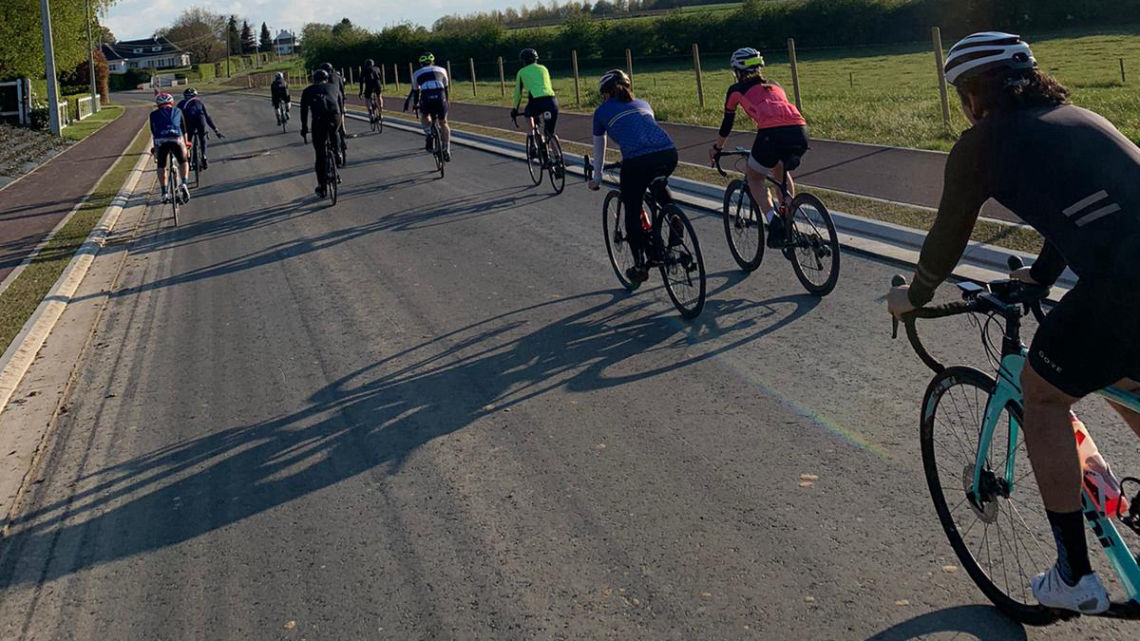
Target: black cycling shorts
780 144
1090 340
166 149
433 105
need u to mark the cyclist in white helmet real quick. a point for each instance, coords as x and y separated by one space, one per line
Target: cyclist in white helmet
781 132
1071 175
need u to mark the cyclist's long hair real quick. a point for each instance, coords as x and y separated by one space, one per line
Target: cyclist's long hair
753 74
1001 93
622 92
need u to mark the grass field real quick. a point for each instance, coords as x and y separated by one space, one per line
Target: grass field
884 95
83 128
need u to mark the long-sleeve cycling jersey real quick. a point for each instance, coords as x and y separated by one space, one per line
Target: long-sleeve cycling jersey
1066 171
196 115
279 90
535 80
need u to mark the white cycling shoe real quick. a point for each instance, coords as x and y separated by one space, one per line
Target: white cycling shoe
1088 596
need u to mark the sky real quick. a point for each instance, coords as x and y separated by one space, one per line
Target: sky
133 19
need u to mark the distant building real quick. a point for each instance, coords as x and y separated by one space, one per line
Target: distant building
152 53
285 43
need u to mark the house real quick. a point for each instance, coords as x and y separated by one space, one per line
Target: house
152 53
285 43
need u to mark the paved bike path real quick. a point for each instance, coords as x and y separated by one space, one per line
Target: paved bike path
32 207
910 176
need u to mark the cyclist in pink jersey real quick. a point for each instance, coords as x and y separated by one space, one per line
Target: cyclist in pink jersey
781 136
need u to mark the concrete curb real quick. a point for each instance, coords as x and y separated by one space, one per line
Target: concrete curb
981 261
22 352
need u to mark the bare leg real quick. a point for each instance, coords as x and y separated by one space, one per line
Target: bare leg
445 134
1049 439
757 185
162 178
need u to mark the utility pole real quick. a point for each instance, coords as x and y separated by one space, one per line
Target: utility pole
91 60
227 49
49 68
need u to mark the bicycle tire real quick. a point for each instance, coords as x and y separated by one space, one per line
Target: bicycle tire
945 385
283 117
533 160
372 118
808 244
681 257
196 160
330 176
172 179
556 166
617 245
380 122
743 228
437 147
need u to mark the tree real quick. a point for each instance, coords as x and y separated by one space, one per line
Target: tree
233 36
199 32
82 74
266 39
103 34
21 40
248 41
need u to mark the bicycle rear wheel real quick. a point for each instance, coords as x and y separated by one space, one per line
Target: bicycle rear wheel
617 243
743 226
331 176
437 147
682 266
372 120
533 159
196 161
814 245
172 182
1000 533
557 165
282 115
379 121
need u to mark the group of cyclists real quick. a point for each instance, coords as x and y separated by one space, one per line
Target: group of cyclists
1065 170
174 128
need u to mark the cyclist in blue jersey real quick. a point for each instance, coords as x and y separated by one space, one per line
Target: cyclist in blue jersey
167 127
647 153
194 111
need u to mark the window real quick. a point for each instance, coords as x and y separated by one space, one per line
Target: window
156 48
137 50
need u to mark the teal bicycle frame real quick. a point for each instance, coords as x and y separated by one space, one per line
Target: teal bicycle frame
1008 394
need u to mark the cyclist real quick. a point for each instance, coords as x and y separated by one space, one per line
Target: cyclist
279 94
647 153
429 96
781 136
325 104
338 81
1071 175
371 85
535 80
194 111
168 128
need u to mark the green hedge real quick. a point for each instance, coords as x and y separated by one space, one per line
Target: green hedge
204 72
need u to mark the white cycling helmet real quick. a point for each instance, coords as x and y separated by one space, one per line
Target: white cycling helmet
986 51
611 78
278 75
746 58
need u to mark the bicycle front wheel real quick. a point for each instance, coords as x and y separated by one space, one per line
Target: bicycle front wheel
557 165
813 245
533 160
617 243
743 226
682 266
998 529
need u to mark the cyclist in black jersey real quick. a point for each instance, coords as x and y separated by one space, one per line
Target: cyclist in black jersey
1070 174
371 84
337 80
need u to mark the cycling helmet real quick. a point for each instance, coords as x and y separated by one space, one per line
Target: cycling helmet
320 75
611 78
278 76
326 66
746 58
427 57
369 63
164 99
528 55
986 51
190 93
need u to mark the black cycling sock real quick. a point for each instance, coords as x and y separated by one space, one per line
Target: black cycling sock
1072 548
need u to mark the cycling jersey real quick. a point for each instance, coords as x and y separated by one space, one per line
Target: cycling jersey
1064 170
370 82
324 101
429 85
166 124
279 91
632 125
535 80
196 116
765 103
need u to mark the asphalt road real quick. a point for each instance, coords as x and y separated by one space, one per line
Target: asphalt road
429 413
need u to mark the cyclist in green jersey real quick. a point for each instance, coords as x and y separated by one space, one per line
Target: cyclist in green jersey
535 80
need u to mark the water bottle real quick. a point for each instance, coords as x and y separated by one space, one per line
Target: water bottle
1098 478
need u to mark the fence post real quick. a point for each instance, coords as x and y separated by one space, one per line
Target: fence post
383 76
700 82
795 72
450 76
396 75
411 73
474 91
1122 79
936 39
502 79
574 64
629 67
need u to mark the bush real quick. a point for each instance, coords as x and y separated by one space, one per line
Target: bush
204 72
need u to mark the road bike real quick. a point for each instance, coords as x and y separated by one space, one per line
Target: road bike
196 141
375 115
437 147
283 114
544 153
332 175
673 246
977 468
810 242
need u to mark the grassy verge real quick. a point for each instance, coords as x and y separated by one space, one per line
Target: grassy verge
19 301
84 128
1010 237
884 95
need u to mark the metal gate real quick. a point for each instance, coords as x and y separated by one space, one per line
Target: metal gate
14 101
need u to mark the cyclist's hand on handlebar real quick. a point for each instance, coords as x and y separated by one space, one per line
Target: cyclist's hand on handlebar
514 114
593 185
1022 274
898 300
713 151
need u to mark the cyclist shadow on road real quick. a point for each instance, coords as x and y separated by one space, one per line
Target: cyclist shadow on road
981 622
367 422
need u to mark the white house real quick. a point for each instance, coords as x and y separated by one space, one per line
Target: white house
285 43
153 53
